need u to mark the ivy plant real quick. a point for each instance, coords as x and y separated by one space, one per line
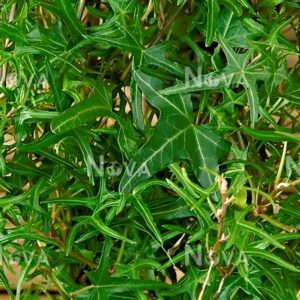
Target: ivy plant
150 149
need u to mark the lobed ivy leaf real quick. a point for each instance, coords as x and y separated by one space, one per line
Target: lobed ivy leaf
175 138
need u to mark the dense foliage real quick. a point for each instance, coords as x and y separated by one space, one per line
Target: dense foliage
149 149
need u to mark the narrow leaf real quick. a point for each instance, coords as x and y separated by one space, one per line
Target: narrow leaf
252 228
212 17
271 257
142 208
67 12
57 93
99 224
80 114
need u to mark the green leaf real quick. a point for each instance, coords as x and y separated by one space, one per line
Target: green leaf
85 202
11 31
44 142
119 285
137 106
144 211
252 228
200 212
231 28
57 93
270 135
80 114
31 116
112 34
127 138
239 62
88 156
68 14
5 281
156 55
212 17
234 5
276 281
71 237
122 6
11 236
271 257
236 72
100 225
100 274
165 145
23 275
247 5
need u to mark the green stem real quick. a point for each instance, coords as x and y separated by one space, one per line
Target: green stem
277 180
121 251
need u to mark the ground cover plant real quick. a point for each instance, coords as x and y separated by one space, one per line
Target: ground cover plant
150 149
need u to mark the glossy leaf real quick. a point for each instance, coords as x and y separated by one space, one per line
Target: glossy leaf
164 147
80 114
212 17
271 257
98 223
